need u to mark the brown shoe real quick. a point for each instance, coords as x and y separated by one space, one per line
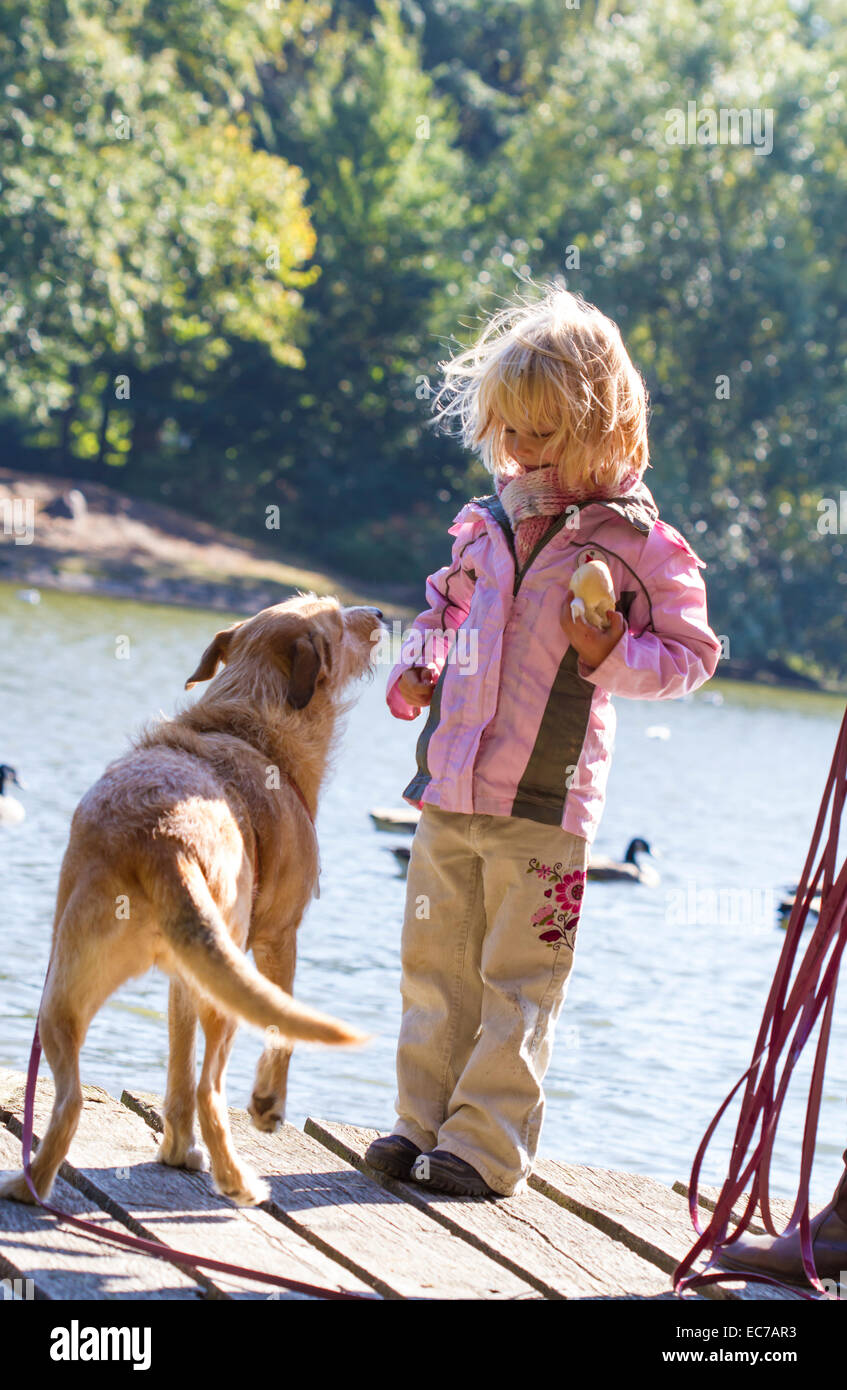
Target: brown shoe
393 1154
780 1256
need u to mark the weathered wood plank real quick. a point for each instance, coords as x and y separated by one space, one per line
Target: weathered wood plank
556 1251
644 1214
708 1196
63 1263
112 1161
373 1232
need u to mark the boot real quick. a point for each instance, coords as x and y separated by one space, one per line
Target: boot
393 1154
445 1172
780 1256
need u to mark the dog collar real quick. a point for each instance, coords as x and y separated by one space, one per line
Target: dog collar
256 864
295 788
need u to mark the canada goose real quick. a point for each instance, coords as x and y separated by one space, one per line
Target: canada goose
599 869
11 811
604 870
405 818
786 906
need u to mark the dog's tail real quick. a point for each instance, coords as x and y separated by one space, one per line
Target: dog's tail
198 937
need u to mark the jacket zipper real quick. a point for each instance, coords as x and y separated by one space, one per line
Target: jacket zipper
553 531
520 574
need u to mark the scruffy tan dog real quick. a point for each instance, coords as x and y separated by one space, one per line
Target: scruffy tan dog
194 847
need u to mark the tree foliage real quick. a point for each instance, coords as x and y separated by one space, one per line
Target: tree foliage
144 236
274 219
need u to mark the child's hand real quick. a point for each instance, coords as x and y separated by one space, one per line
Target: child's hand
416 685
591 644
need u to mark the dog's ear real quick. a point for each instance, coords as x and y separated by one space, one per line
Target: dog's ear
306 663
324 650
216 652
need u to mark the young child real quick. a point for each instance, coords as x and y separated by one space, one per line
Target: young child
515 755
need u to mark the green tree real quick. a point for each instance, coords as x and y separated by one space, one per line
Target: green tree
143 234
359 472
722 263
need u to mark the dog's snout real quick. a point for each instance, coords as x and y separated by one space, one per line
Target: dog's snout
377 612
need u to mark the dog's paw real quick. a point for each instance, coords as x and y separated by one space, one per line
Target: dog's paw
15 1189
266 1112
245 1189
193 1157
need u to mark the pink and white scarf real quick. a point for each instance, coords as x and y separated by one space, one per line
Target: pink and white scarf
532 499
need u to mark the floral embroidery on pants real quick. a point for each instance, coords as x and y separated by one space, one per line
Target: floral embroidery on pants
560 914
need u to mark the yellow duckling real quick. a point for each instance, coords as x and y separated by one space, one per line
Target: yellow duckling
594 593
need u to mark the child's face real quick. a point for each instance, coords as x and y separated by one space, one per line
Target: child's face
529 450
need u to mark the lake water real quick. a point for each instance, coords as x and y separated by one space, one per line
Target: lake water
662 1013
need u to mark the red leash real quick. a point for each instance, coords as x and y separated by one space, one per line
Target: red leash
791 1013
150 1247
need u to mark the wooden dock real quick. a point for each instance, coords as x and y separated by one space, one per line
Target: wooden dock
579 1233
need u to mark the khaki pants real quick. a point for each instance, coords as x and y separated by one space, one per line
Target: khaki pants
492 906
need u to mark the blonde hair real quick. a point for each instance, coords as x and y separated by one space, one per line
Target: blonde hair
559 366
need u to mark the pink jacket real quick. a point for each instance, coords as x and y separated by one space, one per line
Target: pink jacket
518 726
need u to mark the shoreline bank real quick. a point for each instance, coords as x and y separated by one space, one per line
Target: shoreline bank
114 546
119 547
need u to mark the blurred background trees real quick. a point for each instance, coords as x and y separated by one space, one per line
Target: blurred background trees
238 239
